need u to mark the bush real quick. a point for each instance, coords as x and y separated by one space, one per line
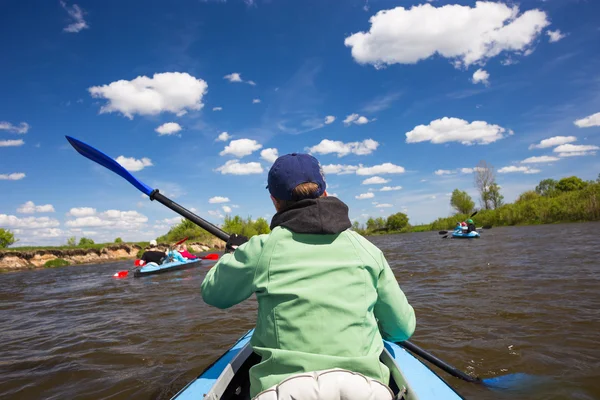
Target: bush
84 242
72 241
57 262
185 228
246 227
6 238
118 240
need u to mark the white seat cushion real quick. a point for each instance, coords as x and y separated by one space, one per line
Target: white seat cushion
331 384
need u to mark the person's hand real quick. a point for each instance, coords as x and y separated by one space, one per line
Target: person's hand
234 242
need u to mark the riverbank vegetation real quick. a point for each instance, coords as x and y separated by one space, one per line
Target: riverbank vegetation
236 224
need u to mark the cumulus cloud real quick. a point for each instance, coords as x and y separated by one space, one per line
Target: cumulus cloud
390 188
355 119
553 141
11 143
110 219
241 147
133 164
363 196
466 35
217 108
376 180
384 205
456 130
540 159
76 14
555 36
471 170
218 199
339 169
21 129
592 120
11 221
575 150
385 168
174 92
343 149
481 76
169 128
15 176
269 155
233 77
226 209
82 211
329 119
29 207
255 101
523 169
443 172
234 167
223 137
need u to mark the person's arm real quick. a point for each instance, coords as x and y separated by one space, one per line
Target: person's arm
231 280
395 316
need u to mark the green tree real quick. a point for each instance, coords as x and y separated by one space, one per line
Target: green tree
546 187
6 238
396 222
85 242
262 226
462 202
118 240
494 196
570 184
72 241
182 230
528 196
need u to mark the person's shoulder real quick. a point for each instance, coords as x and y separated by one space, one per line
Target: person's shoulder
364 243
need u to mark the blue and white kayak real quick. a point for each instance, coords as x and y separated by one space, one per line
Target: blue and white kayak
154 268
458 234
228 377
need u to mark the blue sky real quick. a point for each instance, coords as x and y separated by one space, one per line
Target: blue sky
402 95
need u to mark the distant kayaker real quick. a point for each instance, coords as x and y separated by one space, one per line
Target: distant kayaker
326 295
182 249
153 254
471 226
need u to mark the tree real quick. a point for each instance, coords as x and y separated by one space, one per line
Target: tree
262 226
118 240
6 238
485 177
396 222
528 196
72 241
570 184
85 242
462 202
546 187
494 196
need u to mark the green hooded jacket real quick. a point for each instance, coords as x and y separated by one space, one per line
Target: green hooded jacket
326 295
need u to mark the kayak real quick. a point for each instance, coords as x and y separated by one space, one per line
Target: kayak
228 378
154 268
464 235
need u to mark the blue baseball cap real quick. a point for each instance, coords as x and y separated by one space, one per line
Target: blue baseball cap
291 170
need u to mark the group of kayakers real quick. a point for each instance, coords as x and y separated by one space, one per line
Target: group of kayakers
179 253
466 226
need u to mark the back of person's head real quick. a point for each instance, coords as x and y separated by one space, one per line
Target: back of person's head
153 243
294 177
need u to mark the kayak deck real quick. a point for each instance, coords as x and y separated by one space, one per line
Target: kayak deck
461 235
228 377
166 267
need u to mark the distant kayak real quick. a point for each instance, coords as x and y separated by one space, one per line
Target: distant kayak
464 235
153 268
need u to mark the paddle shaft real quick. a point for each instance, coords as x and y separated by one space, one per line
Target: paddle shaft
437 362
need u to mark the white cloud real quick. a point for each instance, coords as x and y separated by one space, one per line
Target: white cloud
167 222
575 150
21 129
363 196
175 92
82 211
110 219
29 207
540 159
251 83
471 170
523 169
15 176
11 221
327 146
355 119
241 147
553 141
11 143
76 14
555 36
226 209
218 199
269 155
338 169
329 119
216 213
233 77
376 180
456 130
481 76
132 164
384 205
223 137
592 120
390 188
381 103
385 168
217 108
168 128
463 34
443 172
255 101
234 167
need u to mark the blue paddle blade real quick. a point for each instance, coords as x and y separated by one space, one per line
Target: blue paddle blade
518 381
107 162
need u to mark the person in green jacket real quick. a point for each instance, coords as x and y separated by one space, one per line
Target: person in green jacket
326 295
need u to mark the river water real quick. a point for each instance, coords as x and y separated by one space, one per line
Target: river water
521 299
